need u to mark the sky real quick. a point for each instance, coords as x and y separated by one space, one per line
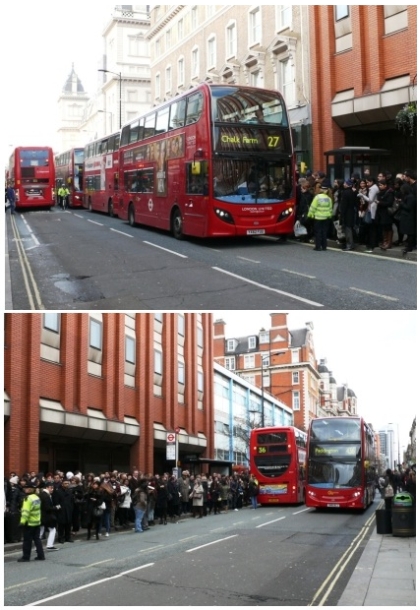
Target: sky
372 351
40 44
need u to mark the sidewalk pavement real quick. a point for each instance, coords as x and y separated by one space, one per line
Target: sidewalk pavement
384 576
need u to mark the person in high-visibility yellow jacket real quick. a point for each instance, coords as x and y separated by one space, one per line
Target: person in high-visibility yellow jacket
321 210
30 519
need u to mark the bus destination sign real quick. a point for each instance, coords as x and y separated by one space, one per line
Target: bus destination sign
266 139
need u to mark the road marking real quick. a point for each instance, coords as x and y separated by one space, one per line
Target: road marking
268 522
286 294
310 277
304 510
152 548
92 584
210 543
249 260
79 216
23 584
189 538
341 564
122 233
374 294
35 301
97 563
96 223
165 249
30 231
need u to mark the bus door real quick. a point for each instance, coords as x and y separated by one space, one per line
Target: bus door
196 198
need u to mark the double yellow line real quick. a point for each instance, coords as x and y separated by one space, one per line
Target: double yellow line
31 287
331 580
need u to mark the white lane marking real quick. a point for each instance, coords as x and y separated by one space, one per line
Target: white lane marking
189 538
30 231
121 233
374 294
209 543
165 249
286 294
90 565
95 223
310 277
249 260
23 584
302 511
92 584
79 215
268 522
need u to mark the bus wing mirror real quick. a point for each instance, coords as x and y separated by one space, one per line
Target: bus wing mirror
196 168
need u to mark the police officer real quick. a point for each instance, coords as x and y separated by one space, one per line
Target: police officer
30 520
63 195
321 210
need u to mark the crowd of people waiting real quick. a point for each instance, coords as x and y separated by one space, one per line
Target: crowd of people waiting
71 501
369 211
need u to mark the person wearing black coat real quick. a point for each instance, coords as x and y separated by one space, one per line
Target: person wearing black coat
175 502
348 211
407 213
305 200
14 499
94 497
63 497
162 499
384 218
48 514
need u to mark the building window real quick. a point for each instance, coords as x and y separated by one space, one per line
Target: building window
295 356
200 341
194 18
181 325
181 372
254 78
211 53
158 362
180 30
159 317
255 26
231 40
181 71
95 334
264 336
296 401
287 82
168 39
200 381
52 321
168 79
295 376
249 361
341 11
230 363
130 350
285 15
231 345
252 342
194 63
157 85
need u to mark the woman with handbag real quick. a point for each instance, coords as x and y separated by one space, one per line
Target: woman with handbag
197 496
94 501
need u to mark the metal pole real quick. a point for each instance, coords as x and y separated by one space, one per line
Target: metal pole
262 394
120 99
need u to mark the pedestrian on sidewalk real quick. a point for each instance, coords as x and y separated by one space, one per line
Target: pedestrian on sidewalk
348 212
30 520
11 198
48 515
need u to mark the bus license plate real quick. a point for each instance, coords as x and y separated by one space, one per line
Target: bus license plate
255 232
333 505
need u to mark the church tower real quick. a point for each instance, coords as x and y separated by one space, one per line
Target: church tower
71 108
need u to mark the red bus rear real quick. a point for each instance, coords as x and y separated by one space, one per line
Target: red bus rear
31 170
340 463
277 459
101 174
69 171
216 161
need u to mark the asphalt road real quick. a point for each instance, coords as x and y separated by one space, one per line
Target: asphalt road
274 556
77 260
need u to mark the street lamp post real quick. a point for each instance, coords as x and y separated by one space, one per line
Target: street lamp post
120 78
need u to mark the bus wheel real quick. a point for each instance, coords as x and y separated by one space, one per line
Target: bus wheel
131 219
111 209
176 224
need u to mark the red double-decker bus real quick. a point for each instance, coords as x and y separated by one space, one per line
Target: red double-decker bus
101 177
340 463
69 171
216 161
277 459
31 171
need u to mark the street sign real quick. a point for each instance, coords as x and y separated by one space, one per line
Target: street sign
170 437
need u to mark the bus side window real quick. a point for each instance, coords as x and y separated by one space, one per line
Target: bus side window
194 107
116 181
177 114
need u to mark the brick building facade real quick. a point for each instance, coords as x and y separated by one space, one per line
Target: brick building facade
98 391
363 71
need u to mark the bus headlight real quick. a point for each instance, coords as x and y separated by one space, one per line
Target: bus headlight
285 214
223 215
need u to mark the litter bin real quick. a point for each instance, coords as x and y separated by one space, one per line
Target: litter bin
383 521
403 515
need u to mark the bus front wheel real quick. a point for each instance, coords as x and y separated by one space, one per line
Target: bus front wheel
176 224
131 218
